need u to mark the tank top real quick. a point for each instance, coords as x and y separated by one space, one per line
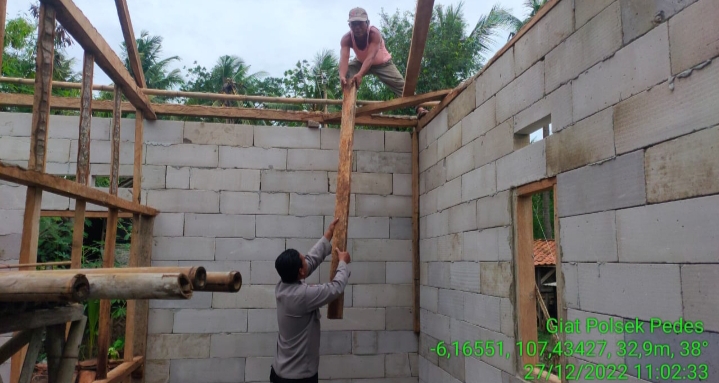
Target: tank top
382 55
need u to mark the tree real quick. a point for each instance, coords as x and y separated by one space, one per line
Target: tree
156 69
450 56
516 24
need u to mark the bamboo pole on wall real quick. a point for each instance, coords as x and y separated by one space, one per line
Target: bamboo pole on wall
38 286
230 282
38 143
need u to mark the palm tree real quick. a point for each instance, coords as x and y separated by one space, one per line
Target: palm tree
231 76
516 24
154 67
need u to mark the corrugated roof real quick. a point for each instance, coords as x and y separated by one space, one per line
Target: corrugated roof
545 252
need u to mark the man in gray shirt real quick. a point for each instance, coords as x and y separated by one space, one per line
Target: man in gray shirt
298 316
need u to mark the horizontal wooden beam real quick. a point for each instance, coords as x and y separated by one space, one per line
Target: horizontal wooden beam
75 22
40 318
70 103
67 188
396 103
536 187
203 95
122 371
88 214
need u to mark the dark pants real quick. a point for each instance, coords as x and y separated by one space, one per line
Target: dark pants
276 379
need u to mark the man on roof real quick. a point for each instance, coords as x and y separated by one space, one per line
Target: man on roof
371 56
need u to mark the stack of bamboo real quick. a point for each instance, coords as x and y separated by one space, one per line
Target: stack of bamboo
78 285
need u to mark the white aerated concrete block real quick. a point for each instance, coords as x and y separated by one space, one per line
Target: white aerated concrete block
633 69
365 183
225 179
355 319
209 321
378 250
450 194
596 40
673 232
522 166
495 77
547 33
460 162
254 203
495 144
368 227
494 210
604 288
521 93
351 366
174 155
589 238
487 245
255 297
496 278
688 49
243 345
584 10
400 228
480 121
253 158
480 182
398 142
178 346
287 137
463 217
312 159
183 249
368 140
256 368
218 370
184 201
665 112
381 295
219 225
450 141
383 162
272 226
218 134
383 206
699 301
402 184
615 184
168 225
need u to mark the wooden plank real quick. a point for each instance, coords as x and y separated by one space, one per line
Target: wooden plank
14 345
422 18
68 103
140 256
536 187
561 301
342 206
415 228
122 371
88 214
54 344
108 258
443 104
82 175
40 318
396 103
75 22
67 188
132 54
526 282
44 60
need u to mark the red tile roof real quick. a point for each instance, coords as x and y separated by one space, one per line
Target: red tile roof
544 252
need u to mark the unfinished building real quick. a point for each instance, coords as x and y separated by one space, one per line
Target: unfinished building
440 227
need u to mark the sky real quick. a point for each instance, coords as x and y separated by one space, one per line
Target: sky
270 35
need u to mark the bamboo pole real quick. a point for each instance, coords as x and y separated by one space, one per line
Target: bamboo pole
28 364
54 344
37 286
205 96
41 264
140 286
15 343
70 353
196 274
223 282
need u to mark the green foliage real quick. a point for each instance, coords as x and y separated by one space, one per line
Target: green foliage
541 231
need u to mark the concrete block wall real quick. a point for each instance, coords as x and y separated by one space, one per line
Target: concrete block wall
631 97
234 197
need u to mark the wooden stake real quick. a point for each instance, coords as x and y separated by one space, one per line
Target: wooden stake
54 344
108 259
38 143
342 206
415 229
526 280
83 157
28 365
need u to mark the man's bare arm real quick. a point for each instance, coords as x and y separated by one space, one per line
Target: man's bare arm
344 56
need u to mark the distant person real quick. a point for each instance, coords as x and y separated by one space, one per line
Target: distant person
371 56
297 358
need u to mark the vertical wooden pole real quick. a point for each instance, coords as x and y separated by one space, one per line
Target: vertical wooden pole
38 144
526 279
54 344
28 364
561 302
71 351
344 176
3 13
83 157
136 324
108 259
415 227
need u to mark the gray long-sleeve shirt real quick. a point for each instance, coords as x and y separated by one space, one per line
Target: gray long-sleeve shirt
298 316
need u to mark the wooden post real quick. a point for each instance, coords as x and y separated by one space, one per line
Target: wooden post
415 228
526 281
83 157
140 256
71 351
344 176
38 143
108 259
28 365
54 344
3 12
